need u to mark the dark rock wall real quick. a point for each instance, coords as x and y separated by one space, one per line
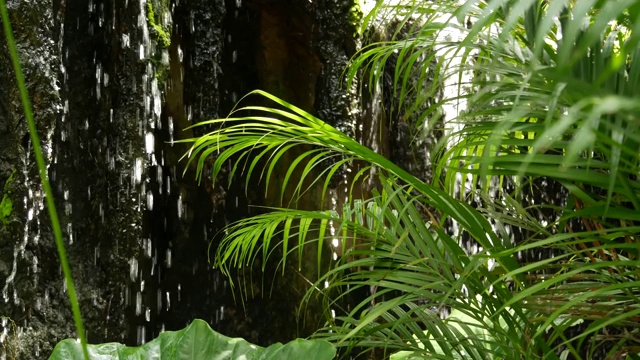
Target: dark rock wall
113 82
31 283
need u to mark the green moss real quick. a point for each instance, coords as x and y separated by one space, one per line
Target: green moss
162 37
355 17
161 34
6 206
10 344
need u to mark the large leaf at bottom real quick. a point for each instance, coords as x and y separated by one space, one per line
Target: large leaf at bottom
197 342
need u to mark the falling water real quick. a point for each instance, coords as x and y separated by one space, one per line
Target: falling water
23 265
33 202
111 98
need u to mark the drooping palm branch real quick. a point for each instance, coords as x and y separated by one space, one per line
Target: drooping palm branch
395 239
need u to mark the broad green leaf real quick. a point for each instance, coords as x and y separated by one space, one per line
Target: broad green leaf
198 342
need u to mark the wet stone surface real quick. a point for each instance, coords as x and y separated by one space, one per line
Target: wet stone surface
109 98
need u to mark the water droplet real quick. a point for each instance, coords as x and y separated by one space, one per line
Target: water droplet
167 260
158 301
98 78
170 120
133 269
138 303
125 41
70 231
148 247
149 142
137 171
141 335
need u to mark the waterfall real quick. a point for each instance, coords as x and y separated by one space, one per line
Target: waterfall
114 84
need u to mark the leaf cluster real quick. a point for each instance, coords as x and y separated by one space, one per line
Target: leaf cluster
197 341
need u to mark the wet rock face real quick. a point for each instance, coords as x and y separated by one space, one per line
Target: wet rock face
109 113
335 43
29 282
111 89
287 64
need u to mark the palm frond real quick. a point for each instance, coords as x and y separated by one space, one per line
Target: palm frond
280 130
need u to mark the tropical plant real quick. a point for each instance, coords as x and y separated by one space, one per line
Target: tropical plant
198 341
457 323
554 118
547 150
6 205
